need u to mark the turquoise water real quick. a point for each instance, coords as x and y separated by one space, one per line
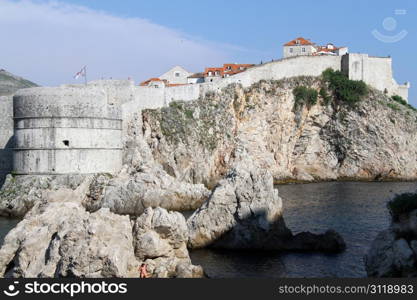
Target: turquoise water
356 210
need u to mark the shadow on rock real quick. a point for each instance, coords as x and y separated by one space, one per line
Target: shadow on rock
244 211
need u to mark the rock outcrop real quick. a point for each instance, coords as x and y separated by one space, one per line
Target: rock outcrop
393 253
59 238
146 187
20 193
130 192
196 141
161 242
245 212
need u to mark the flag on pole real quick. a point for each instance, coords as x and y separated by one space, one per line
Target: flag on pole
81 73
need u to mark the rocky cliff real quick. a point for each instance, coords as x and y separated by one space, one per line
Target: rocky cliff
375 139
10 83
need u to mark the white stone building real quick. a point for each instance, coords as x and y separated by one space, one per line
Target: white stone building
176 75
301 46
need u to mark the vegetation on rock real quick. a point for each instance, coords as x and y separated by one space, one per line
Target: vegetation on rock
345 90
400 100
304 96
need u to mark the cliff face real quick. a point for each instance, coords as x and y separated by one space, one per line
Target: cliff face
196 141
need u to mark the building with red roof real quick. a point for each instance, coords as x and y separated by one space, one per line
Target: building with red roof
302 46
213 74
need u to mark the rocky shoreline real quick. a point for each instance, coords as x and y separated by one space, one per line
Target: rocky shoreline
219 156
62 236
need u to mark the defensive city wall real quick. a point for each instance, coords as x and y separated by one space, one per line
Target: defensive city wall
80 128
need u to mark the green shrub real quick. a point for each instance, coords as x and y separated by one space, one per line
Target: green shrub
189 113
393 106
304 95
325 96
344 89
176 105
402 204
400 100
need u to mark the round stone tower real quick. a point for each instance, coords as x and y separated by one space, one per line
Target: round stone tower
65 130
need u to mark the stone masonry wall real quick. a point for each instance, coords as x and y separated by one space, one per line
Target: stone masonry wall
6 136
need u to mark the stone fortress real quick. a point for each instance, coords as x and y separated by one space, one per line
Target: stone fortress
81 129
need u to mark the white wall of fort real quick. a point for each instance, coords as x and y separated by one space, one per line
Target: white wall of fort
6 136
375 71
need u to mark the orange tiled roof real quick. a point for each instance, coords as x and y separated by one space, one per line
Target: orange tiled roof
302 41
144 83
229 69
176 84
207 70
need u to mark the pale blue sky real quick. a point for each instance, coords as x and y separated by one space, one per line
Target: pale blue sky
203 33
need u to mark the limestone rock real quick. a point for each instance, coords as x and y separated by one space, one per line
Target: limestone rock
379 261
394 251
59 238
148 186
245 212
404 258
322 142
161 242
20 193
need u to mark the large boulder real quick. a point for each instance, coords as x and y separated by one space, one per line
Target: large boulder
393 253
20 193
161 242
245 212
148 185
59 238
379 261
330 241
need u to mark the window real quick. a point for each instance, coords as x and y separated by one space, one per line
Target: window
291 50
303 49
66 143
